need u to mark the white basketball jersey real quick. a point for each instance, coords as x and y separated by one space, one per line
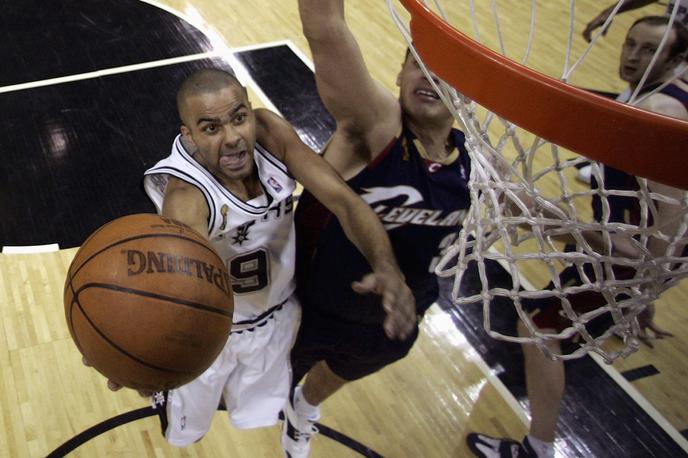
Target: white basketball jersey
254 238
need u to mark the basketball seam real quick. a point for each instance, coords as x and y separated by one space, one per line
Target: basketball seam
113 344
138 292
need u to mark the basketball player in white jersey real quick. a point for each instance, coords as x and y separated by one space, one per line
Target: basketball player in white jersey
545 378
231 176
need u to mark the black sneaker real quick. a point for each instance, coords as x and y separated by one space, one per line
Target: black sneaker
484 446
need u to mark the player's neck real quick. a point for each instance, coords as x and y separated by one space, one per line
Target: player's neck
246 188
435 138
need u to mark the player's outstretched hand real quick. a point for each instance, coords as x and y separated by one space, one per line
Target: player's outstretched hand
397 301
114 386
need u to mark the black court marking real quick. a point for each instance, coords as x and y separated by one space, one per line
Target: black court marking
347 441
80 36
100 428
145 412
640 372
290 86
597 417
92 141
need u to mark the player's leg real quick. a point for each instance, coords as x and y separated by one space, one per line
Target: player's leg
545 384
545 387
545 381
346 352
186 413
258 388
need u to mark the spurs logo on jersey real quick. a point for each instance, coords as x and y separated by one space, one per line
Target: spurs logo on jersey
241 234
394 216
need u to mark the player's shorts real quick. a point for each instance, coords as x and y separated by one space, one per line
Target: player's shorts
251 374
351 350
547 313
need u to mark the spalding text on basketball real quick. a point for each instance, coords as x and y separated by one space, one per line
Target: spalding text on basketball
149 262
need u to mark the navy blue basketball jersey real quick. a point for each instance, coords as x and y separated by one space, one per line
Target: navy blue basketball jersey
421 205
676 92
624 209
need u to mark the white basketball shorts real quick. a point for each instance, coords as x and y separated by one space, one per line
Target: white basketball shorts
252 374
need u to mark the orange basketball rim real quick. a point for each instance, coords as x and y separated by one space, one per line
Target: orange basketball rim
637 141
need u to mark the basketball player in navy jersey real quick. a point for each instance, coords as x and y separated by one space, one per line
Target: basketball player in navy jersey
545 379
230 176
405 159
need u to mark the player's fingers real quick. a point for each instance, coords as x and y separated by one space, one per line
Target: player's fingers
85 361
113 386
389 327
146 393
405 317
366 285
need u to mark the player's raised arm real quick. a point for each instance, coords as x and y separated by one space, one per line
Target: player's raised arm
352 96
599 20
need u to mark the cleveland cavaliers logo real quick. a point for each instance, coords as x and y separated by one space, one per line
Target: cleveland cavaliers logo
409 210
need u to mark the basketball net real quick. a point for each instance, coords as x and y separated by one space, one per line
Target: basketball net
525 199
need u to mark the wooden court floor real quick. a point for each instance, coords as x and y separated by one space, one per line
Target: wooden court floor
422 406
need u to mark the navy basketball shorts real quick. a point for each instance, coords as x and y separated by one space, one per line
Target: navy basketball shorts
351 350
547 313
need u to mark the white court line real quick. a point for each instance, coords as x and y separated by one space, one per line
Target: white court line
221 48
28 249
472 356
107 71
624 384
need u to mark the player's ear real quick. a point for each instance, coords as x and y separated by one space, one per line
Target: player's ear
186 133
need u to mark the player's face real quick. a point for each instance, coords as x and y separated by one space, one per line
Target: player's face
641 43
416 95
222 126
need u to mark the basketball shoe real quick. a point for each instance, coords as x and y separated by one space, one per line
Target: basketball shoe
297 431
489 447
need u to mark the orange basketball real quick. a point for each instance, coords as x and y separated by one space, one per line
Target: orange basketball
148 302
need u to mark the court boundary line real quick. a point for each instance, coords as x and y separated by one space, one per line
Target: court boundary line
29 249
474 357
617 377
108 72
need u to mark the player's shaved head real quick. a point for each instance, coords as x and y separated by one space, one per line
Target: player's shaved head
202 82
